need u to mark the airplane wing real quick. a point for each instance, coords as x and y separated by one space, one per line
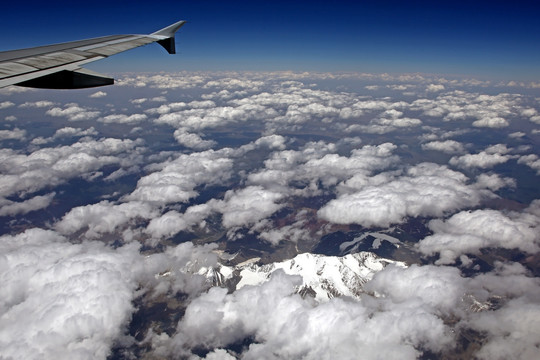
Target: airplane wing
58 66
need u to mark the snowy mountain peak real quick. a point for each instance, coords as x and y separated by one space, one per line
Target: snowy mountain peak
323 277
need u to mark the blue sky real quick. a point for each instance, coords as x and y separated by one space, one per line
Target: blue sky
486 39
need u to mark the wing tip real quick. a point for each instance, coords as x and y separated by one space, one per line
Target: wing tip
167 33
170 30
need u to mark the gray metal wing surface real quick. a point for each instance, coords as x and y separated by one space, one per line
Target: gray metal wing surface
58 66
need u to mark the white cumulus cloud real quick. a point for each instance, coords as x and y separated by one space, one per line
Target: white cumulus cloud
426 189
468 232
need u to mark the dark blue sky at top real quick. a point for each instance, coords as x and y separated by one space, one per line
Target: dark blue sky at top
487 39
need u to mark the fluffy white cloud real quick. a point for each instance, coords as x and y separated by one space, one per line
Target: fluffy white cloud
65 132
517 135
532 114
37 104
511 331
317 165
185 80
103 217
401 87
247 206
173 222
400 122
434 282
123 119
13 89
532 161
299 114
138 101
468 232
98 94
233 83
487 110
494 182
435 87
25 174
59 299
529 112
177 179
491 122
491 156
10 208
426 189
6 104
273 142
508 280
193 141
196 119
387 121
447 146
166 108
16 134
482 160
70 131
73 112
535 119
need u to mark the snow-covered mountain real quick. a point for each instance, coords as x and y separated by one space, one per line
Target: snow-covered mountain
324 277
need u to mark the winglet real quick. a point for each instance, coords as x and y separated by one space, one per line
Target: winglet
168 32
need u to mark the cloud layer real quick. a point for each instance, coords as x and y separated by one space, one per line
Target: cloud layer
124 214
